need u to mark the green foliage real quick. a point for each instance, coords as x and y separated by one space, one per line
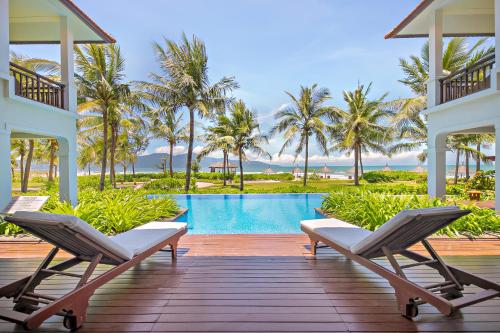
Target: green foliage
390 176
370 210
165 184
482 181
261 176
116 211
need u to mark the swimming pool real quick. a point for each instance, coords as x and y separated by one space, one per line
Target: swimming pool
247 213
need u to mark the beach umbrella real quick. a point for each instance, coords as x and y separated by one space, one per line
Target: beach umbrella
326 170
419 169
296 171
351 172
462 170
268 171
386 168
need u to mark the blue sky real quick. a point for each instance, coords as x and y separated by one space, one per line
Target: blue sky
269 46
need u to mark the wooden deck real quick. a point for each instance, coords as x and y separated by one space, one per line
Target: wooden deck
259 283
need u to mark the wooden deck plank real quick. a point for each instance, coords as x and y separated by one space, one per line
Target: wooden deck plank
259 283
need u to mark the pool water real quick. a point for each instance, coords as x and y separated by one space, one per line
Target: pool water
247 213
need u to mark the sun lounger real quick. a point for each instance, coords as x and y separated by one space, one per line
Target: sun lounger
395 237
86 244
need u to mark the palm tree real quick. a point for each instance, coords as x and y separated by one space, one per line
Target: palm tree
303 118
88 154
184 81
166 123
219 137
360 128
102 92
246 134
409 123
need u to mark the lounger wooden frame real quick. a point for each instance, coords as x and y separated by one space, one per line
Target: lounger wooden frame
73 305
409 294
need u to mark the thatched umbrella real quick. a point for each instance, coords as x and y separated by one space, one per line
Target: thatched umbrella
386 168
326 170
462 170
419 169
296 172
268 171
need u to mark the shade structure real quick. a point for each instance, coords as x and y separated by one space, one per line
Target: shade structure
296 171
351 171
386 168
419 169
326 169
268 171
462 170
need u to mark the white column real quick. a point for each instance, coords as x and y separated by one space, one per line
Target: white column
67 170
5 171
497 42
4 39
435 58
497 166
436 162
67 66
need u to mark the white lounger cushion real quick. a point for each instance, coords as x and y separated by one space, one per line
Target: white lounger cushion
148 235
339 232
36 219
398 221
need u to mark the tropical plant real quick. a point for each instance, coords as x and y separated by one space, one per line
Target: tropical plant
102 94
361 127
246 134
166 123
305 117
184 82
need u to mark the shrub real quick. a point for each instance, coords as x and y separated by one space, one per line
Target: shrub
165 184
263 176
482 181
370 210
390 176
116 211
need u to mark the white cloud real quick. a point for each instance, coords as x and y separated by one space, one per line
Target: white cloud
165 150
197 149
270 115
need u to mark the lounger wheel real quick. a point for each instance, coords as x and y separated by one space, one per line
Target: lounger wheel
70 322
411 310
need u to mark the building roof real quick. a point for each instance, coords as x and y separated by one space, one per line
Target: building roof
39 22
220 165
460 18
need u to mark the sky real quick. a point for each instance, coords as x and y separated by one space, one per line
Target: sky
269 47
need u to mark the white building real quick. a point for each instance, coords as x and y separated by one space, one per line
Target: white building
464 102
32 106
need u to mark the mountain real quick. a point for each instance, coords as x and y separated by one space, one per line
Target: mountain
153 162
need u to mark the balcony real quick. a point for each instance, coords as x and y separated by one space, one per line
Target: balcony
468 80
36 87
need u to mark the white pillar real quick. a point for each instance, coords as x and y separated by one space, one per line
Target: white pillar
4 39
67 170
435 58
497 166
436 162
5 171
67 66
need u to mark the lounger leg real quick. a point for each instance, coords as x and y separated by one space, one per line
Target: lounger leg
314 247
406 304
173 248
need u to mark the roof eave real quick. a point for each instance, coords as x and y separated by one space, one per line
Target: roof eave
414 13
106 38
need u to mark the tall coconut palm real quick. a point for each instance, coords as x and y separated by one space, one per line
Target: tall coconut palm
219 137
100 75
184 81
302 119
361 127
88 154
166 123
246 134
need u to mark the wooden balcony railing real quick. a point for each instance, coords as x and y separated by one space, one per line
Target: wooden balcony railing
36 87
468 80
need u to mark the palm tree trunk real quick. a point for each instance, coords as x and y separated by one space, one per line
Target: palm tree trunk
112 151
478 157
190 149
171 160
124 172
21 167
133 169
29 159
467 173
356 162
89 168
361 163
240 155
306 162
104 158
457 162
224 154
52 159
